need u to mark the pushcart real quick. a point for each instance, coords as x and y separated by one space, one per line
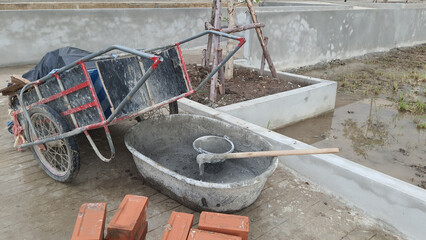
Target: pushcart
122 83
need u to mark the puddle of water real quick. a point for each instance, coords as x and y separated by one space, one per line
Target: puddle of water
370 132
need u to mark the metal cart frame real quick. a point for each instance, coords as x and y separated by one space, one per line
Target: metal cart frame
41 141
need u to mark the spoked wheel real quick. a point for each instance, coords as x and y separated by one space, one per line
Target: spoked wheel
60 158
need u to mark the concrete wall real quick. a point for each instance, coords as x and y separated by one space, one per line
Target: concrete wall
298 35
25 36
299 38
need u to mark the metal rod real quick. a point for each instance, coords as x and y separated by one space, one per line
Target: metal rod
195 37
53 138
95 148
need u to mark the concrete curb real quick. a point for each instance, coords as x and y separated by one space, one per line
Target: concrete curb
400 205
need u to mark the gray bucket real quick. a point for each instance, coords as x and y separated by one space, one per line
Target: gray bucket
213 145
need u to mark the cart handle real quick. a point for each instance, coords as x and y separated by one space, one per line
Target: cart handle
216 69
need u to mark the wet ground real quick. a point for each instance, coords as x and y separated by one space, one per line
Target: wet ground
370 132
33 206
380 117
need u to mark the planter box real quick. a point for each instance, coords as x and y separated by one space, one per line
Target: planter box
280 109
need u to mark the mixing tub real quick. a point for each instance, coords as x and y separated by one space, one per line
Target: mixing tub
164 155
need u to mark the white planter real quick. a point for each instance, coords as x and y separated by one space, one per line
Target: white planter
280 109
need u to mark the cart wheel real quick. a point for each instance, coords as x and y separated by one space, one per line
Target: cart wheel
59 159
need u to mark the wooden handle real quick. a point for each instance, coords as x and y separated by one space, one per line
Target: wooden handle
280 153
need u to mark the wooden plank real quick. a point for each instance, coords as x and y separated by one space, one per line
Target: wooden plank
17 83
103 84
168 80
119 76
10 90
19 80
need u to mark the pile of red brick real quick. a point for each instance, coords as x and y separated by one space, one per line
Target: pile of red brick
212 226
129 223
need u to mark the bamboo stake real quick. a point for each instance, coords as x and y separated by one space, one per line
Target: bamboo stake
221 75
229 66
216 46
242 27
260 37
238 28
209 40
262 62
203 58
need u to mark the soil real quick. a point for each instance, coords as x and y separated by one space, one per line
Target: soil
398 75
245 85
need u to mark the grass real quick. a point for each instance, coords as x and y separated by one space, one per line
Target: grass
420 106
395 86
416 107
269 124
402 106
420 121
397 75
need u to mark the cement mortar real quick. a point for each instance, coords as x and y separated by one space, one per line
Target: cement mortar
181 159
165 143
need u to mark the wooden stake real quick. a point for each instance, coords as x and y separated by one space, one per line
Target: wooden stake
239 28
221 75
242 27
262 62
216 46
203 58
260 37
209 40
229 66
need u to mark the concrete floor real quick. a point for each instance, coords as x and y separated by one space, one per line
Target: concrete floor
33 206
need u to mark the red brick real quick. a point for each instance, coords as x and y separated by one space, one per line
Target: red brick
196 234
128 218
225 223
90 222
141 234
178 226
